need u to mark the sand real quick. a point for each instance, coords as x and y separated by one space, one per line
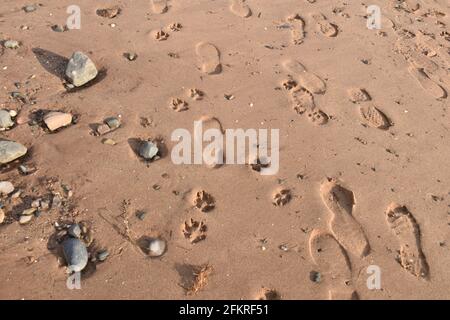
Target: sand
363 180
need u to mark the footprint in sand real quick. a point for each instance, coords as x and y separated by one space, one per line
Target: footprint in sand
405 227
196 94
374 117
209 57
281 197
358 95
178 105
332 260
426 83
298 31
326 28
240 8
345 228
194 231
160 35
159 6
307 80
303 102
204 201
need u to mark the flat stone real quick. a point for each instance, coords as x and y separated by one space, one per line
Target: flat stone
80 69
75 253
109 142
6 187
28 212
5 119
55 120
148 150
112 122
29 8
103 129
2 215
10 151
25 219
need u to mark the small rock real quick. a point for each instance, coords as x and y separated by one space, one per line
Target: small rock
55 120
156 247
112 122
148 150
12 113
109 12
103 129
75 253
5 119
102 255
25 219
6 187
315 276
75 230
29 8
2 216
36 203
109 142
28 212
131 56
11 44
58 28
10 151
80 69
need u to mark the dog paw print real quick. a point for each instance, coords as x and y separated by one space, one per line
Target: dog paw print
281 197
204 201
194 231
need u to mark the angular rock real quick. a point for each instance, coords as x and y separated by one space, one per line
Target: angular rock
148 150
75 253
112 122
25 219
11 44
55 120
5 119
6 187
80 69
74 230
10 151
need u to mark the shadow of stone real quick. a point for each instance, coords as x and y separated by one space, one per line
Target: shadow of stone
52 62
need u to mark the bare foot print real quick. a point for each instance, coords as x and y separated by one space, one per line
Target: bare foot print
178 105
357 95
374 117
240 8
159 6
298 31
345 228
405 227
307 80
204 201
426 83
326 28
281 197
209 57
194 231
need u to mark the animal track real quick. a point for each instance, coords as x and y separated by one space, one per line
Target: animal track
159 6
196 94
240 8
374 117
194 231
307 80
209 57
302 100
426 83
345 228
318 117
160 35
281 197
178 105
326 28
204 201
405 227
298 31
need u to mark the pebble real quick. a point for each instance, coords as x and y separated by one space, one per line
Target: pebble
10 151
13 113
102 255
11 44
131 56
28 212
6 187
25 219
156 247
75 253
80 69
109 142
75 230
55 120
112 122
2 216
29 8
148 150
5 119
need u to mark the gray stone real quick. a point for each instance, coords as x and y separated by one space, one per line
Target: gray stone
156 247
80 69
112 122
5 119
74 230
10 151
102 255
29 8
11 44
75 253
6 187
148 150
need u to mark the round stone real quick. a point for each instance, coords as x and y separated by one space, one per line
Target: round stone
6 187
10 151
5 119
75 253
156 247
